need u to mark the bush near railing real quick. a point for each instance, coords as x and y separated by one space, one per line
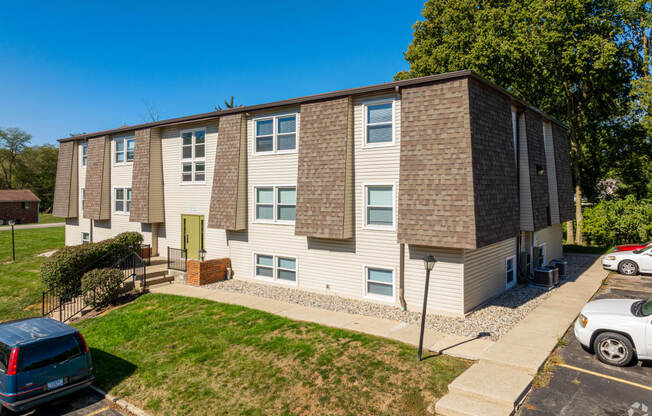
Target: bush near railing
63 271
612 222
102 287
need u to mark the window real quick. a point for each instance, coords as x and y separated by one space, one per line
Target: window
124 149
48 352
193 156
279 268
123 200
379 123
83 197
510 271
379 282
276 134
25 205
84 153
86 238
5 352
275 203
379 206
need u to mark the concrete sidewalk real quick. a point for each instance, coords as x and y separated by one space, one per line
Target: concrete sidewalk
30 226
454 345
501 378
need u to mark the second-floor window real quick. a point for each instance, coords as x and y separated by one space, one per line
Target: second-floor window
193 156
275 203
84 153
277 134
379 123
122 200
124 149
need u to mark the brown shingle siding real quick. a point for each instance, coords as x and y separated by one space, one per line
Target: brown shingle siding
140 177
324 170
494 165
63 206
97 202
564 174
537 158
435 204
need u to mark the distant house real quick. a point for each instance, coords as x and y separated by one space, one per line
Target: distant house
18 204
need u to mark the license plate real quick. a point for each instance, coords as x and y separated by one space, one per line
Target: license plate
54 384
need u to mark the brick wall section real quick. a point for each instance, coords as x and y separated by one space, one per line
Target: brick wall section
140 177
205 272
495 179
226 194
15 211
537 156
324 148
97 173
564 173
435 202
62 188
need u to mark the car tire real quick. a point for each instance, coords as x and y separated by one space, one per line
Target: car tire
628 268
613 348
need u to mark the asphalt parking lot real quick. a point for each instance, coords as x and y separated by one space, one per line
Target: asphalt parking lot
85 402
579 384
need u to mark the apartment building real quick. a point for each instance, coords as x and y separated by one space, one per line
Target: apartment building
341 193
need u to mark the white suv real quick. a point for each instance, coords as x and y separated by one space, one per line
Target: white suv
616 329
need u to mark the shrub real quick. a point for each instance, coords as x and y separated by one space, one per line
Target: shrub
620 221
102 286
63 271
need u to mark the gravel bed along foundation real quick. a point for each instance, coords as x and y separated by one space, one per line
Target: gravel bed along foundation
492 319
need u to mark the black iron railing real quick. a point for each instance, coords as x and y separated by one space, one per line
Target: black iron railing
177 259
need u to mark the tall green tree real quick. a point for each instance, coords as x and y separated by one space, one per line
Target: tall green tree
37 171
227 104
568 57
12 143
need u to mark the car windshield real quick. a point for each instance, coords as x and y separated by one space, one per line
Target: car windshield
5 351
646 308
47 352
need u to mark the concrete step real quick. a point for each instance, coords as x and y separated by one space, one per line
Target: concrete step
454 404
157 280
494 383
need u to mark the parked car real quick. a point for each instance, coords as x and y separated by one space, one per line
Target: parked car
632 247
40 360
617 330
629 263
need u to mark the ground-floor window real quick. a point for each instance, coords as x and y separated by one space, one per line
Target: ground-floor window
510 271
279 268
379 282
86 238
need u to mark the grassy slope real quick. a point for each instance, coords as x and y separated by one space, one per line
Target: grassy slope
48 218
19 283
175 355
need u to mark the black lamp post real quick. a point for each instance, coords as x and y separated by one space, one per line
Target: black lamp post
13 244
429 264
202 254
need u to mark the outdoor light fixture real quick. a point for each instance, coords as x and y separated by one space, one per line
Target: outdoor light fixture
13 243
540 170
202 254
428 264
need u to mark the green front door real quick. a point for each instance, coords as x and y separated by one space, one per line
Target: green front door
192 234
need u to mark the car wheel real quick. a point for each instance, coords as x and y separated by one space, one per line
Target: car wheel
628 268
613 349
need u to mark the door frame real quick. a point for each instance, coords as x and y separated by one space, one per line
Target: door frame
201 241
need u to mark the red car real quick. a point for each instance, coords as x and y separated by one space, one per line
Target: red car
631 247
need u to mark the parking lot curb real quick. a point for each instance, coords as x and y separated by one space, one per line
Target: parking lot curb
121 403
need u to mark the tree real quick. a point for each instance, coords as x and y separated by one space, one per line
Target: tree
570 58
37 170
227 104
152 113
12 142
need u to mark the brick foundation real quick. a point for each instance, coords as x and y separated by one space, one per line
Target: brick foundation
205 272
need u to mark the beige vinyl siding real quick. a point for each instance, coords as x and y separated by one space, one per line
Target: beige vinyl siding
485 273
552 236
552 172
527 219
75 226
191 199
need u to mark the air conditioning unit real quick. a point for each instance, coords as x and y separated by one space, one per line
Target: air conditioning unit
546 276
562 265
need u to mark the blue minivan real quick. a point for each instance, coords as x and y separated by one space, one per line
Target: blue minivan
40 360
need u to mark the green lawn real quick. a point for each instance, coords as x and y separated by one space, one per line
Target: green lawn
19 282
48 219
175 355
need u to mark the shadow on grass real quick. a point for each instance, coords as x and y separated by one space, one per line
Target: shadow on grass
109 369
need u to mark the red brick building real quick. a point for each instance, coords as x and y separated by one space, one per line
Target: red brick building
19 204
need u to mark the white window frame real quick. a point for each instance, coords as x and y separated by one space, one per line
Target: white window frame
275 118
365 205
193 160
83 147
124 139
124 201
83 240
275 269
509 285
275 204
365 124
374 296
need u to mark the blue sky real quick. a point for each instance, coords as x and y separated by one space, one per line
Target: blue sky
69 67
